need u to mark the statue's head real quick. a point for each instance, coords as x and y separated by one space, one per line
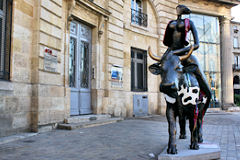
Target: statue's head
182 9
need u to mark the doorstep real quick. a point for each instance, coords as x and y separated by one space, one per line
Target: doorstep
85 121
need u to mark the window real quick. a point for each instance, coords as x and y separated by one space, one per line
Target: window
235 42
235 29
5 37
235 80
208 53
138 70
137 15
236 65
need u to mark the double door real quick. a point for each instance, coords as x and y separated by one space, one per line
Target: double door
79 68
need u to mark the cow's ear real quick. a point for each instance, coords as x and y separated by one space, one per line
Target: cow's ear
190 68
155 69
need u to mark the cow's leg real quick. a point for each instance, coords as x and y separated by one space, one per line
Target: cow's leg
171 117
200 135
182 123
193 129
182 119
200 122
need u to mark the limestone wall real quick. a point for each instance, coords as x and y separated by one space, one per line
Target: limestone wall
52 101
122 35
236 51
15 95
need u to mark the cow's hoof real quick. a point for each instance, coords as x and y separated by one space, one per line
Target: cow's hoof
182 136
172 150
194 146
200 139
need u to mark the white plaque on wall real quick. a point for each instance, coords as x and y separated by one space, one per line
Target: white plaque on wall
50 60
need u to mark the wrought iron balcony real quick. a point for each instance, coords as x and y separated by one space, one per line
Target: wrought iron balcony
139 18
236 67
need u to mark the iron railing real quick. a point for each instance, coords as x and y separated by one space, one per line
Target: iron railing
139 18
236 67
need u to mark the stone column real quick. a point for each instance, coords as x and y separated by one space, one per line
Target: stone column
226 63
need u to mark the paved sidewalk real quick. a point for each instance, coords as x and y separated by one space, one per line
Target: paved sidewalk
132 139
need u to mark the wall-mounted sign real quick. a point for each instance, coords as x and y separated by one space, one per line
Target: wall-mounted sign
116 76
50 60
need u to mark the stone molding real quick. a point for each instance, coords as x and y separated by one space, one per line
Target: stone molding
94 7
228 2
225 20
6 86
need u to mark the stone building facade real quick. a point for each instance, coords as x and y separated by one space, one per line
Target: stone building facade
71 57
235 26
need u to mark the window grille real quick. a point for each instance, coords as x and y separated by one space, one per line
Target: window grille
5 34
138 70
139 18
137 15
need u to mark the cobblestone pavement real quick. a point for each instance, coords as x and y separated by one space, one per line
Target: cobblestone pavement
132 139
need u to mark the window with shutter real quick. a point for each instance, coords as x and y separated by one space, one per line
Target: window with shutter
5 37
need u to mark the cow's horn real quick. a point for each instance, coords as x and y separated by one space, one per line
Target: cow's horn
184 57
156 58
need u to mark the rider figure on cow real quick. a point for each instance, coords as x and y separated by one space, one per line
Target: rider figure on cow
176 40
190 77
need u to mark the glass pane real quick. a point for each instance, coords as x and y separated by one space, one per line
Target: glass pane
211 49
200 53
1 52
73 28
132 76
210 29
235 42
198 22
217 33
132 4
212 66
235 59
201 61
139 55
201 49
72 54
84 65
1 4
140 75
132 54
238 60
139 5
85 32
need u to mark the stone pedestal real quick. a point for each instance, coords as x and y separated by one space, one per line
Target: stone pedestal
207 151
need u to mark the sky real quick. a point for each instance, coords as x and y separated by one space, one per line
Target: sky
236 13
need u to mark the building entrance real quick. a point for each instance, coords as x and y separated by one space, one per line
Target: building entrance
79 68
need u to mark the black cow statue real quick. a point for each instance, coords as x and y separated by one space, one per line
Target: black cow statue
183 83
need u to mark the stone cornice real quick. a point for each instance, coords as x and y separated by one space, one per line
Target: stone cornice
93 6
227 2
234 22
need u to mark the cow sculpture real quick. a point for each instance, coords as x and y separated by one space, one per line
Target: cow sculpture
182 94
